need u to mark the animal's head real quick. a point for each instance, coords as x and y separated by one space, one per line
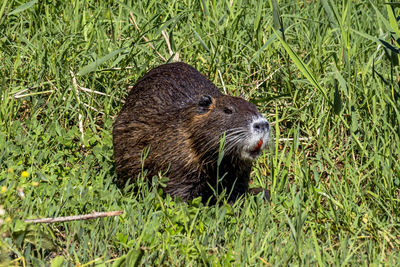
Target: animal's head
246 130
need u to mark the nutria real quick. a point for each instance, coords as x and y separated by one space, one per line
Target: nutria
180 116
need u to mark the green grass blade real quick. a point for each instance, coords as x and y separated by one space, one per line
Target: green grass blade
95 64
3 7
331 12
382 18
202 43
303 68
277 20
267 43
22 7
258 16
392 20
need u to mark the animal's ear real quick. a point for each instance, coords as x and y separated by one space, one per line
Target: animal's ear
204 103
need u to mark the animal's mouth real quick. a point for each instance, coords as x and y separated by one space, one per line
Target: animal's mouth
253 145
256 150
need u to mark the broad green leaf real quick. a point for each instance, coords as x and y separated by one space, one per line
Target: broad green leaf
22 7
392 20
93 66
204 7
366 36
258 15
277 21
134 256
57 261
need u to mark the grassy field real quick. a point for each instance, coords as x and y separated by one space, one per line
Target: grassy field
325 74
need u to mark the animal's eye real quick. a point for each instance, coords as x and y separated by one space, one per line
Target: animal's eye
228 110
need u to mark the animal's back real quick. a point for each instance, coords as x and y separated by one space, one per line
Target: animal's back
168 86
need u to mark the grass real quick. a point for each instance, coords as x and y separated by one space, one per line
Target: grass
328 84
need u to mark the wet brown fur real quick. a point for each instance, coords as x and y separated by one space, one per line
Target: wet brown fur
162 112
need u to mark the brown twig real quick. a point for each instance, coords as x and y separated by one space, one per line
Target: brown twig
171 53
93 215
80 116
299 139
87 90
222 80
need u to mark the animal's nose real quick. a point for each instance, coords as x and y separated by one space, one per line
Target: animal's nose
261 125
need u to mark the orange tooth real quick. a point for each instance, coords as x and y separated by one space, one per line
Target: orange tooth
259 144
